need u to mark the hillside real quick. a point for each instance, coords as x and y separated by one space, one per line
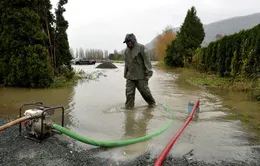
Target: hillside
224 27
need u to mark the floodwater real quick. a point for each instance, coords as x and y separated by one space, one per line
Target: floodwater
94 109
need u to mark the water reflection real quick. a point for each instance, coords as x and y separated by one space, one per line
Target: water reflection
136 125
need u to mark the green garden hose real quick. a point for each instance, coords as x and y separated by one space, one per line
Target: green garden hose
112 143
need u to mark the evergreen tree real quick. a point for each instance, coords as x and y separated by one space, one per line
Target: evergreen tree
188 39
24 59
173 58
2 63
235 55
47 21
62 49
191 34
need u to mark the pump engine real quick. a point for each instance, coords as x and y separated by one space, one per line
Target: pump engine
39 124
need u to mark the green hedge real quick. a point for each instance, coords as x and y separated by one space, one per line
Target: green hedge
236 55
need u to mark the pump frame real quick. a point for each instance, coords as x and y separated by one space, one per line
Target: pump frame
45 109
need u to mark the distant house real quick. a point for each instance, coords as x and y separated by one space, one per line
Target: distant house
219 36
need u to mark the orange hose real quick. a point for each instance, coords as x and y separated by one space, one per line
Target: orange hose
12 123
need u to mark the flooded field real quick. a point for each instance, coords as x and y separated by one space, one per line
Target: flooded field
94 109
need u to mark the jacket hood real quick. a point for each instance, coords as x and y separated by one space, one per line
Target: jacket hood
130 37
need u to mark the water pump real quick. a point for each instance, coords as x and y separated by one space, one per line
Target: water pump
39 125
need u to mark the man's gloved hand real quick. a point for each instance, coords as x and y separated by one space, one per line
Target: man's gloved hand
148 74
147 77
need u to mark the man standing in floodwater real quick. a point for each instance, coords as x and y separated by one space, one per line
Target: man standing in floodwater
137 72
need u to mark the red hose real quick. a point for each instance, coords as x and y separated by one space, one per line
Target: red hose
163 155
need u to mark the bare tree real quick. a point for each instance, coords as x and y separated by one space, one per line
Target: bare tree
72 52
77 53
81 53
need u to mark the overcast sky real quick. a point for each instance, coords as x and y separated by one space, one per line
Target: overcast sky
102 24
